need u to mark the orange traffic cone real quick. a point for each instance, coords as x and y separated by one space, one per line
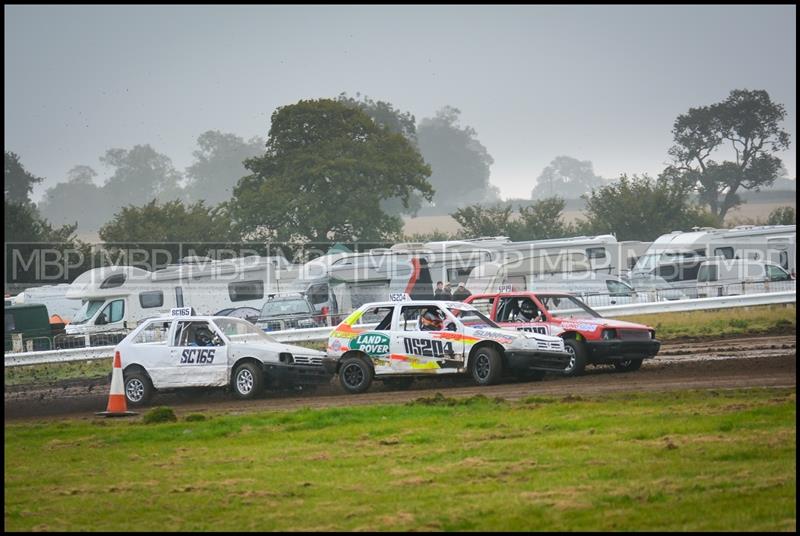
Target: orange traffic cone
117 405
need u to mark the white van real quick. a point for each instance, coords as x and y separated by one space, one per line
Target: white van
594 289
730 277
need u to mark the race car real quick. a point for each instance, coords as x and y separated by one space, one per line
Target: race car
425 338
588 337
213 351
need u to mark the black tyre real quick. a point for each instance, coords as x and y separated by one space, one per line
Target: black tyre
530 375
577 362
487 366
247 381
355 375
398 383
628 365
138 388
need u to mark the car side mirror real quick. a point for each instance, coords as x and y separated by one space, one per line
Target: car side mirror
101 320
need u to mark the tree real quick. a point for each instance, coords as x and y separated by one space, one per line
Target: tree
18 181
477 220
384 114
639 208
218 166
326 170
747 123
78 200
566 177
782 216
140 175
173 225
541 220
460 163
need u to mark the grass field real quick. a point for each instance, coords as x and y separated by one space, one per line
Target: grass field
692 460
669 326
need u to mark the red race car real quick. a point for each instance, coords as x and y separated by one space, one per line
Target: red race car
590 338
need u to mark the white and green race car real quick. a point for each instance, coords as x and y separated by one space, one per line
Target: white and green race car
392 342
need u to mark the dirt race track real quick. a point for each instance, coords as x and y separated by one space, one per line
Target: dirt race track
712 364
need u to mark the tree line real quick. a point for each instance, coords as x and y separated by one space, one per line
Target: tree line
346 169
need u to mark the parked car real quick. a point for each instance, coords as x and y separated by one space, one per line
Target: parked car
588 337
427 338
286 311
250 314
727 277
593 288
655 288
211 351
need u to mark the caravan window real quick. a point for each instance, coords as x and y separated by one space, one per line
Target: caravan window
154 298
246 290
726 252
318 294
596 253
113 281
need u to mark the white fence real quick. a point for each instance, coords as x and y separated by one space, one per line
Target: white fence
321 334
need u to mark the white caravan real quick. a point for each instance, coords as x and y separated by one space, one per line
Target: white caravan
52 296
677 256
119 297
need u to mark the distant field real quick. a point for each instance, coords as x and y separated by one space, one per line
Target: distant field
680 461
746 213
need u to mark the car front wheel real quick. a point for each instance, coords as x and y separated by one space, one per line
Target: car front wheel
138 388
577 357
247 381
355 375
487 366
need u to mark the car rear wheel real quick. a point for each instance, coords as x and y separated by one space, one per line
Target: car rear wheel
247 381
138 388
577 357
355 375
628 365
487 366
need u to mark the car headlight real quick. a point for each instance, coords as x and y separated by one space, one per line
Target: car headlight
608 334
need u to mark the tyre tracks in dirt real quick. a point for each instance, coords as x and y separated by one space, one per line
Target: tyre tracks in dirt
710 364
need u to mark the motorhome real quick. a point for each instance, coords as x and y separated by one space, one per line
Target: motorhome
724 277
115 298
54 297
676 256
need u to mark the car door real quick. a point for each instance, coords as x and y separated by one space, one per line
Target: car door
419 351
195 360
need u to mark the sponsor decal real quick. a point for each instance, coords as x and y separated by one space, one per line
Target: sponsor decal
534 329
428 347
371 343
197 356
580 326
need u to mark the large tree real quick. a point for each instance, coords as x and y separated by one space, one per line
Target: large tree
385 115
78 200
460 163
140 175
746 125
539 220
218 165
566 177
326 170
640 208
18 182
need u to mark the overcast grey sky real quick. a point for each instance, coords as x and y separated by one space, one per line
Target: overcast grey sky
599 83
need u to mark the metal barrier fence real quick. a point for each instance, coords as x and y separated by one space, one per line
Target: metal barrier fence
321 333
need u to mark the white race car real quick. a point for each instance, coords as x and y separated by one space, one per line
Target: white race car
213 351
415 338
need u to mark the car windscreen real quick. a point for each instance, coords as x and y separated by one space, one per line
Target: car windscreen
566 306
284 307
87 311
472 318
240 331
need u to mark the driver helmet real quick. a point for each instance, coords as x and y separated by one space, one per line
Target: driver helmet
203 336
528 309
430 320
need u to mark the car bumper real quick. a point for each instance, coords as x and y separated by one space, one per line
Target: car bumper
612 350
537 360
291 374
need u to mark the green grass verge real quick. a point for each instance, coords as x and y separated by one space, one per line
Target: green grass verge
737 321
680 461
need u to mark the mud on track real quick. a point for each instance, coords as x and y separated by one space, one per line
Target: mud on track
712 364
